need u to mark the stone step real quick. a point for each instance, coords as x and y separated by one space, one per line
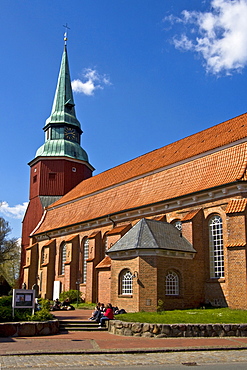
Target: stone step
66 325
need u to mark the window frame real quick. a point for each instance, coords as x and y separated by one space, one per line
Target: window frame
126 283
63 255
172 284
216 247
85 247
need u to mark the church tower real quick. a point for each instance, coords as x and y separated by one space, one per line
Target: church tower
60 163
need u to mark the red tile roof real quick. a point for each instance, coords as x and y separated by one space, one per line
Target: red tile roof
190 215
210 139
70 238
216 169
236 244
106 262
119 229
236 206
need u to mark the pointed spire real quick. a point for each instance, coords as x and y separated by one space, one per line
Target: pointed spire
63 109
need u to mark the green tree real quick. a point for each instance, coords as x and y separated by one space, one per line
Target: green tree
9 253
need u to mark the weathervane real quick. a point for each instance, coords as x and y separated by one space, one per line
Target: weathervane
66 34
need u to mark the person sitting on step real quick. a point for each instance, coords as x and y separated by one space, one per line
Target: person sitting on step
108 315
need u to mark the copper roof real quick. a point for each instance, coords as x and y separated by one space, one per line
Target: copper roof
236 206
216 169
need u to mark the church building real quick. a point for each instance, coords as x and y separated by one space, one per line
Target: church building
170 225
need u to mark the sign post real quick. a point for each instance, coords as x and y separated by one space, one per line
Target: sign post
23 298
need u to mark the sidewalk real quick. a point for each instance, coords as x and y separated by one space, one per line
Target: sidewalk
95 342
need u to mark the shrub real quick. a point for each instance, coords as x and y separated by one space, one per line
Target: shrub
6 301
42 315
160 306
5 314
45 303
71 294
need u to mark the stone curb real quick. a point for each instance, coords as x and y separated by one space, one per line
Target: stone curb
126 351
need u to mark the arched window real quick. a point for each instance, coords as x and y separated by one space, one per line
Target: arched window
172 283
40 280
85 257
126 282
216 251
42 259
177 224
62 258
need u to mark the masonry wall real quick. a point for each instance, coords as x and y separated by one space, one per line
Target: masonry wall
129 303
197 288
148 283
104 286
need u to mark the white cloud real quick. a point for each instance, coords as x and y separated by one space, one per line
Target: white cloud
13 212
219 36
91 81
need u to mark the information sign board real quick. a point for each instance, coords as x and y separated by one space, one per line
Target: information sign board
23 298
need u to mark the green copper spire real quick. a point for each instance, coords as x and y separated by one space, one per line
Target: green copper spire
62 129
63 109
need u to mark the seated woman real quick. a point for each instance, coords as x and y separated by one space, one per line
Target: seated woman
108 315
96 313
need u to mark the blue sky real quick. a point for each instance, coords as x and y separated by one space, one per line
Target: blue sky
145 73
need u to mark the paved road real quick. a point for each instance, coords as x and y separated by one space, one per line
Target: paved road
235 359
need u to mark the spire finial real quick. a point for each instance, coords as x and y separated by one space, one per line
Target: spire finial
66 34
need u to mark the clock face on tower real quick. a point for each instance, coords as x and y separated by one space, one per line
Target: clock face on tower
69 133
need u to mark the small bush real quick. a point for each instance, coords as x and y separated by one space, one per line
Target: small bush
71 294
160 306
45 303
5 314
6 301
42 315
22 314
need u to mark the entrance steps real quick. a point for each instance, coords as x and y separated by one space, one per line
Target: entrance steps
79 325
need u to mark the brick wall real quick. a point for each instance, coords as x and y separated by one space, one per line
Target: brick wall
104 286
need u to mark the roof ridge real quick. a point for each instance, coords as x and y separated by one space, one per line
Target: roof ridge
214 138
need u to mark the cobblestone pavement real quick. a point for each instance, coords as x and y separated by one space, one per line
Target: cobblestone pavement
110 360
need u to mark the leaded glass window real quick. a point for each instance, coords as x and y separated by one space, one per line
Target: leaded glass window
177 224
126 282
63 257
172 283
85 258
216 250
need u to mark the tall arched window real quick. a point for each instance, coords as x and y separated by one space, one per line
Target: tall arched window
62 258
85 257
172 283
126 282
216 251
42 259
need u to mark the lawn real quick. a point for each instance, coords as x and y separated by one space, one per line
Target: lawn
84 306
193 316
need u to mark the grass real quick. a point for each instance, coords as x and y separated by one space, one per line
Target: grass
193 316
84 306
